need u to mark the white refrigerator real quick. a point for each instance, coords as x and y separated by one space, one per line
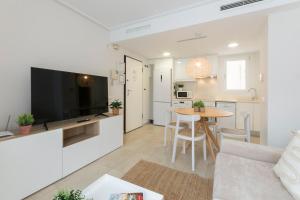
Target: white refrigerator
162 90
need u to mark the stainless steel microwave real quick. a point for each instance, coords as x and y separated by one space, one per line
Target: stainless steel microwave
184 95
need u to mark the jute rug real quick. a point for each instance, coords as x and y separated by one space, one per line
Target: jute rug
173 184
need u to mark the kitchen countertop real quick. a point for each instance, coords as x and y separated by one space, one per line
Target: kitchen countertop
241 100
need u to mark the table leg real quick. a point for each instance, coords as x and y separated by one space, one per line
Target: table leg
210 148
212 137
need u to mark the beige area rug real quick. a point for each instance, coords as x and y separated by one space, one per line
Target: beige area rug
173 184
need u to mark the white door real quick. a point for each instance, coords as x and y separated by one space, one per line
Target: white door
146 93
134 94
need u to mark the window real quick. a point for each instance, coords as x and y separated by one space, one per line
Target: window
236 75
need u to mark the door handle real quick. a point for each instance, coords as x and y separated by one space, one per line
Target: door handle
128 91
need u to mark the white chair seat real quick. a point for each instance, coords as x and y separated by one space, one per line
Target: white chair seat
181 125
232 131
188 133
237 133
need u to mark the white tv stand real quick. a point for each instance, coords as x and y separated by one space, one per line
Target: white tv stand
30 163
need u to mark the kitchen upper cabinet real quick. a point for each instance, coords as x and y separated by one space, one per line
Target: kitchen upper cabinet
180 74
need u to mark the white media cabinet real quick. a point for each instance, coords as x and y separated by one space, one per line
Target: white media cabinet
30 163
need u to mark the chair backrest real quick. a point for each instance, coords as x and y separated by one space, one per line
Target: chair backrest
186 118
247 127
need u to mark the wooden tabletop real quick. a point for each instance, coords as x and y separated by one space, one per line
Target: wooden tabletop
209 112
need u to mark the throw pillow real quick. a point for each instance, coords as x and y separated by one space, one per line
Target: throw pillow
288 167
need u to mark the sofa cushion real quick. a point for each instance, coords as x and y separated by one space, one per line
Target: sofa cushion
288 167
239 178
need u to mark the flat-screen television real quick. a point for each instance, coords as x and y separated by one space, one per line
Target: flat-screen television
58 95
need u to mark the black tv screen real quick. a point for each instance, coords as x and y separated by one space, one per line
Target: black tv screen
58 95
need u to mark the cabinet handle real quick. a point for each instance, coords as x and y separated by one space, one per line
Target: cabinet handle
160 78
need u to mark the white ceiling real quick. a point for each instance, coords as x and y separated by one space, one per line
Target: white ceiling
115 13
245 30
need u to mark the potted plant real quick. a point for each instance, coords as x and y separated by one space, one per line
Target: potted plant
69 195
180 87
25 122
116 105
199 106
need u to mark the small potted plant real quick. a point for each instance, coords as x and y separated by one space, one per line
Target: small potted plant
199 106
69 195
180 87
116 105
25 122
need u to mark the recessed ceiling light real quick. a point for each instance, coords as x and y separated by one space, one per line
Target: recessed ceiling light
233 45
179 62
166 54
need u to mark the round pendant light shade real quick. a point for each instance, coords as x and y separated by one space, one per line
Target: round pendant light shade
198 68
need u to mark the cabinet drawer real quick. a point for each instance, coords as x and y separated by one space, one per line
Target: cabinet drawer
80 154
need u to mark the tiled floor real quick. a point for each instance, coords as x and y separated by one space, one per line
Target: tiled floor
144 143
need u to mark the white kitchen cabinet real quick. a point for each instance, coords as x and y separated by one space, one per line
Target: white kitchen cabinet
180 74
227 122
209 104
30 163
180 104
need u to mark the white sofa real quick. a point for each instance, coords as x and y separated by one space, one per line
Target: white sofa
244 171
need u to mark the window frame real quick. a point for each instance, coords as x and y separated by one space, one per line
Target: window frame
226 75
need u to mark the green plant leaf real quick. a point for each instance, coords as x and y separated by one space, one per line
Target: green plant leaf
116 104
25 120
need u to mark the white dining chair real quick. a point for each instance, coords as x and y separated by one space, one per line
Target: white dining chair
188 134
171 125
244 134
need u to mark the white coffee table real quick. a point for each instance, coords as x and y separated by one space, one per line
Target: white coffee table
107 185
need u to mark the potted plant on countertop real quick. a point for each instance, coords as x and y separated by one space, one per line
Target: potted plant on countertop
25 122
116 105
180 87
69 195
199 106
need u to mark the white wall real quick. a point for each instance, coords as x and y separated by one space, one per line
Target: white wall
45 34
215 88
283 76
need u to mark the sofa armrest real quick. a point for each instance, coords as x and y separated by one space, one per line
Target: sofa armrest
251 151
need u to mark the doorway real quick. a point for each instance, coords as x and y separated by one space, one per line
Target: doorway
133 94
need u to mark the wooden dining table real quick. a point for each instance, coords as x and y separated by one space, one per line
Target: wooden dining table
208 113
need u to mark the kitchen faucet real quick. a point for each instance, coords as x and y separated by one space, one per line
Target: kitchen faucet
253 97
